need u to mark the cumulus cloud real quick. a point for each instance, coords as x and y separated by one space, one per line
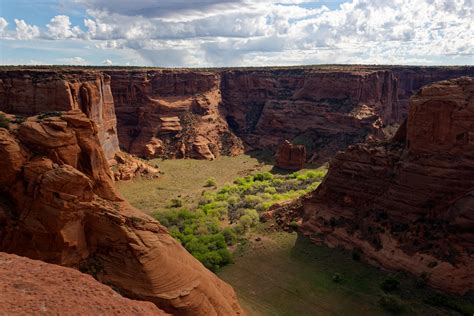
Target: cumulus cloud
25 31
107 62
3 25
60 28
265 32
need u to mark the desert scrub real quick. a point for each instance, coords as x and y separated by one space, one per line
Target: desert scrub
4 121
211 182
44 115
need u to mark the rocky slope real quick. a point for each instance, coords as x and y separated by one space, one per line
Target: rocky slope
408 204
58 204
31 287
173 114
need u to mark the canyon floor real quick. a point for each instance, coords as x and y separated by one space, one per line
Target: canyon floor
279 273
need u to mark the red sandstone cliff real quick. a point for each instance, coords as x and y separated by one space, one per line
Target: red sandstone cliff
31 92
172 113
31 287
58 204
408 204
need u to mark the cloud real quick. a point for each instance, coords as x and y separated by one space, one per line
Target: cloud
73 61
60 28
269 32
25 31
107 62
3 25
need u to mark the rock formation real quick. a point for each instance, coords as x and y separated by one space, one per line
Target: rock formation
31 92
198 113
31 287
290 157
172 114
58 204
408 204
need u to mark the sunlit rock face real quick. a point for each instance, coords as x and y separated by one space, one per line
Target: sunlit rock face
58 204
408 204
30 92
172 114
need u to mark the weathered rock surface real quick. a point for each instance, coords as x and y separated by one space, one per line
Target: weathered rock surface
32 287
172 114
58 204
408 204
31 92
126 167
290 157
198 113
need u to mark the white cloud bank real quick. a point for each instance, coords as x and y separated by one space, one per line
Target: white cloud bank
270 32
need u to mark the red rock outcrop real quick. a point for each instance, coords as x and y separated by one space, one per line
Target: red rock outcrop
58 204
408 204
31 92
32 287
290 156
172 114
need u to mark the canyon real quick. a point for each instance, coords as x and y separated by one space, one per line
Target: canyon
402 199
407 204
205 113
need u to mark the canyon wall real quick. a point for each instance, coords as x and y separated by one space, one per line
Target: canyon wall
30 92
172 113
178 113
58 204
323 109
408 204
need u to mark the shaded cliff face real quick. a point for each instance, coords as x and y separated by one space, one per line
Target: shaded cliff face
325 110
26 93
30 287
411 79
173 114
58 204
408 204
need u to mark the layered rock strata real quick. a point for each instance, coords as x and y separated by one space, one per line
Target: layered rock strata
58 204
31 92
408 204
172 114
32 287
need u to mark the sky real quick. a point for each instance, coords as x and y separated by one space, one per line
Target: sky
227 33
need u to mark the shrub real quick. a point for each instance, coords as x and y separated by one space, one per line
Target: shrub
293 225
211 182
262 176
175 203
355 255
229 236
4 121
390 284
337 278
391 304
49 114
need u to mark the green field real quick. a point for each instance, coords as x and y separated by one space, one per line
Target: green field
280 274
285 275
186 179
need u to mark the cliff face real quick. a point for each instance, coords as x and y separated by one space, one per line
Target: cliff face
30 287
408 204
26 93
58 204
325 110
173 114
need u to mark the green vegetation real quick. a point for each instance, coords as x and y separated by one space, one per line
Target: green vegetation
390 284
44 115
235 206
4 121
211 182
391 304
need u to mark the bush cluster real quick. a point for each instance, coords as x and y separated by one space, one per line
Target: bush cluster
239 204
4 121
